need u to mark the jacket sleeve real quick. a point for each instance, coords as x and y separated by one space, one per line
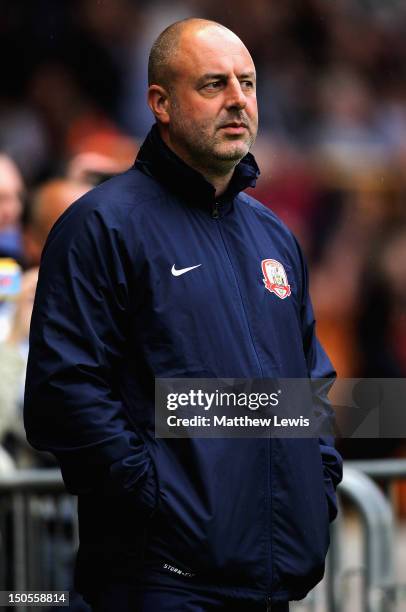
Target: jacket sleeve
77 349
323 374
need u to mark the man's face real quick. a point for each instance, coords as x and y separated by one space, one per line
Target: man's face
10 193
213 117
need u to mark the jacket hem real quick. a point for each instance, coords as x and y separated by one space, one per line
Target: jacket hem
280 596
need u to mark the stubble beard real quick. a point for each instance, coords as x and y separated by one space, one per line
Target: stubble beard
209 151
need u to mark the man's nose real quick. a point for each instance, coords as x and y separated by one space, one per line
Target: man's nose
236 97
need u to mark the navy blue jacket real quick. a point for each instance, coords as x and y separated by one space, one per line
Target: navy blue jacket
247 517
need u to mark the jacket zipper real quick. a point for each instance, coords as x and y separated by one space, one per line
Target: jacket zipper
269 489
216 216
215 212
268 604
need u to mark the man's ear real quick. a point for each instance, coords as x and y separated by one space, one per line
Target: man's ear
158 102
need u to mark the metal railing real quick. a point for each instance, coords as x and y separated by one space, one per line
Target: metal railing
38 532
378 569
380 592
38 536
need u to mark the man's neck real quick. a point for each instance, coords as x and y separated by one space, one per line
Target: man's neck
220 183
219 178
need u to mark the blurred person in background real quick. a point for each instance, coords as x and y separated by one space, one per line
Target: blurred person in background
46 205
349 133
383 310
23 137
11 194
48 202
13 359
383 307
98 154
11 205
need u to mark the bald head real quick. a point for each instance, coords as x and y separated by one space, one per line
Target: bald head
48 203
161 64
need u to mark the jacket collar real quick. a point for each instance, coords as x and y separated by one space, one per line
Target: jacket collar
156 159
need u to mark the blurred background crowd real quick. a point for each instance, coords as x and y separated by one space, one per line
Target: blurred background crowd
331 148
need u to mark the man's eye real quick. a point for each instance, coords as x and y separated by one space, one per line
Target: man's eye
247 84
213 86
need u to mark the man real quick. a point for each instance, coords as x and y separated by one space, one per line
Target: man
158 274
49 201
11 193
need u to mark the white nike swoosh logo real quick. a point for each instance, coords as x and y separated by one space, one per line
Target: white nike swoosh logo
176 272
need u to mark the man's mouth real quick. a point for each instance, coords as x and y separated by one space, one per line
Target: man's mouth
234 127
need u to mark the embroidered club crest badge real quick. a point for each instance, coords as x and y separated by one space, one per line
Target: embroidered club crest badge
275 278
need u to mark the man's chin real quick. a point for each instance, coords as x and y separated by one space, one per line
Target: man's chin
233 153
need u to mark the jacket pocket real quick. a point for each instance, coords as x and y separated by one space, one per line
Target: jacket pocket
300 517
212 511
